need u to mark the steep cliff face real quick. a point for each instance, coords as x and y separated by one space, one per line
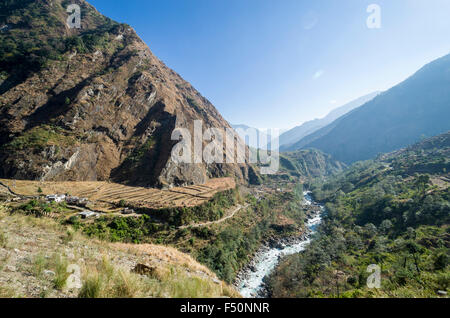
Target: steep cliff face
92 103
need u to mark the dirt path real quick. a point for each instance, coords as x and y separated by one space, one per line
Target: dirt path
239 207
8 189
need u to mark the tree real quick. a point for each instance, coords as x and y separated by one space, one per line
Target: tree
421 183
441 261
370 229
385 226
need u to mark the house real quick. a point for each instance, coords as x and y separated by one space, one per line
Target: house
127 211
83 202
55 198
87 214
77 201
72 200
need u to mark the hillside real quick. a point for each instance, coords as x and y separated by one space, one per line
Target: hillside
393 212
92 104
294 135
416 108
35 254
309 163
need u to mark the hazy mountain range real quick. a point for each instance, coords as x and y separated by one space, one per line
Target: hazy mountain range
294 135
417 108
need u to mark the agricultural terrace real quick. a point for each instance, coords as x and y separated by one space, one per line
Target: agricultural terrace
105 195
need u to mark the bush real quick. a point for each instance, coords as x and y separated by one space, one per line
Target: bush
3 239
441 261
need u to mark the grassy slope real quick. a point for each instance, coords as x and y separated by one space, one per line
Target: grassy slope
224 247
31 247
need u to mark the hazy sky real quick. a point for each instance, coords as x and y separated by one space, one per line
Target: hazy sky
278 63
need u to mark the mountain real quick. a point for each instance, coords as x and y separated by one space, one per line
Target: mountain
309 163
393 211
416 108
92 103
260 141
295 134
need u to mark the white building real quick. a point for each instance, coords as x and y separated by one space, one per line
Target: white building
56 198
87 214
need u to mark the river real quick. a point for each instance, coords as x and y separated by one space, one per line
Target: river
250 281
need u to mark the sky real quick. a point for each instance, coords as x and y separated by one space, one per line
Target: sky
279 63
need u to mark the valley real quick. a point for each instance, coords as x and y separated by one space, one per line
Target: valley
95 204
392 211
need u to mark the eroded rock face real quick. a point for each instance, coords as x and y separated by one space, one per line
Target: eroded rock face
100 106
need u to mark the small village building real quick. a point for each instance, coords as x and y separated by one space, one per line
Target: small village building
83 201
55 198
77 201
127 211
72 200
87 214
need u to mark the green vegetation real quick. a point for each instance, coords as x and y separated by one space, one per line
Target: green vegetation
34 36
230 248
40 137
211 210
39 208
385 212
225 248
47 267
56 264
3 239
309 163
154 222
140 153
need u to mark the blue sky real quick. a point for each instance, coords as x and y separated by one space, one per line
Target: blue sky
278 63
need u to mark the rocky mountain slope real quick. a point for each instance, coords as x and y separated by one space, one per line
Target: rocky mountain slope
92 103
416 108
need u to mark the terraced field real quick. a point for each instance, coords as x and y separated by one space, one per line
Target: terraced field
104 195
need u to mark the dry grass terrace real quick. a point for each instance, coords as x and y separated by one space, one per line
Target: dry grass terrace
103 195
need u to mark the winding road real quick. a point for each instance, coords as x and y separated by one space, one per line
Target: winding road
239 207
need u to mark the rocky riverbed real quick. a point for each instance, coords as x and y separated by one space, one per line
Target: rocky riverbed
250 281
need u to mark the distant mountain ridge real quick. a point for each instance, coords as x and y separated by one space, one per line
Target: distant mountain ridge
261 140
294 135
416 108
